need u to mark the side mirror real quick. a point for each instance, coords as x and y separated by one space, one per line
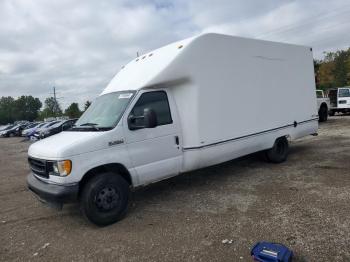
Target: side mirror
149 118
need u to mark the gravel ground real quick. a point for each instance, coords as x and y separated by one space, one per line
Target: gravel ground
303 203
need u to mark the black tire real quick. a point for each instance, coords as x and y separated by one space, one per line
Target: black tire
323 114
104 199
331 112
279 152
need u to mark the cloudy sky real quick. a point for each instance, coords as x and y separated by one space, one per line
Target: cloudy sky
79 45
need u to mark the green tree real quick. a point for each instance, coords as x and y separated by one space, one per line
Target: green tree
341 68
27 108
325 75
7 110
51 109
73 111
87 104
333 70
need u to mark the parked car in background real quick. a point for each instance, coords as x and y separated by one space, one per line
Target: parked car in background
37 132
323 106
57 128
15 130
3 132
4 127
31 128
339 100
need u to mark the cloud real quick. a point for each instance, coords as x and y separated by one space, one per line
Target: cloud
78 46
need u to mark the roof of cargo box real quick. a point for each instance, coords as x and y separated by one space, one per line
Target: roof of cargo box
141 71
159 66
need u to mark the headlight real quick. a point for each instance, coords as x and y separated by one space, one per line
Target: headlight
61 168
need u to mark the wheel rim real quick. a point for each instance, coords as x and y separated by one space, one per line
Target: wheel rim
107 199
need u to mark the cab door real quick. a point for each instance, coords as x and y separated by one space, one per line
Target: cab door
155 152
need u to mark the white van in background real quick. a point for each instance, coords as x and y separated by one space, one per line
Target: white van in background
191 104
339 100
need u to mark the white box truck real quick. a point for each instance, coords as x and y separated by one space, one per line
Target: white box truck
191 104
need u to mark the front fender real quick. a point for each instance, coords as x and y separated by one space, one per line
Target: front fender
83 163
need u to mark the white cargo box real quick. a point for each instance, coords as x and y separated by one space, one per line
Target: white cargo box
229 87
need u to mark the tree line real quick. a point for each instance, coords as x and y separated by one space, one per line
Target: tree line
28 108
333 70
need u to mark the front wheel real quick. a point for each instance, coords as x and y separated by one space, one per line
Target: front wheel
104 199
279 152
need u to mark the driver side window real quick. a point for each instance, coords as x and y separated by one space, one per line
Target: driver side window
156 100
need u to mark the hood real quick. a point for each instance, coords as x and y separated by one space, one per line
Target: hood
69 143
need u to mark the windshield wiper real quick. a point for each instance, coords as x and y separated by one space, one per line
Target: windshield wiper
93 125
89 124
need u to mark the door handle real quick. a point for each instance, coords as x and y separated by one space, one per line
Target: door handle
177 140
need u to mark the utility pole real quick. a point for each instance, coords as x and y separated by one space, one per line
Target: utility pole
54 96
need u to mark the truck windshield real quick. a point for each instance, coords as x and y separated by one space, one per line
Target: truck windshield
105 112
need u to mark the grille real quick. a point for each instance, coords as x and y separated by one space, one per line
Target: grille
39 167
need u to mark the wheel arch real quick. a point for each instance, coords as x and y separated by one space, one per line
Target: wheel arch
116 168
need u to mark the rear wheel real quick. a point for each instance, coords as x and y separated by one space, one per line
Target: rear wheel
104 199
323 113
279 152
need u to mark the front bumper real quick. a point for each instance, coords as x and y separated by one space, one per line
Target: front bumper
53 193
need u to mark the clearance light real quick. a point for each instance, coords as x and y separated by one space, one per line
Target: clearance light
180 46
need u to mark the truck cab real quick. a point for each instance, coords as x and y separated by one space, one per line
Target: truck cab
339 100
132 133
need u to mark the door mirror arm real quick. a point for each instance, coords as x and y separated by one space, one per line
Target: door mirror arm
131 122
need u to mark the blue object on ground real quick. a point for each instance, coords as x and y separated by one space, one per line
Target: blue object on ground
271 252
